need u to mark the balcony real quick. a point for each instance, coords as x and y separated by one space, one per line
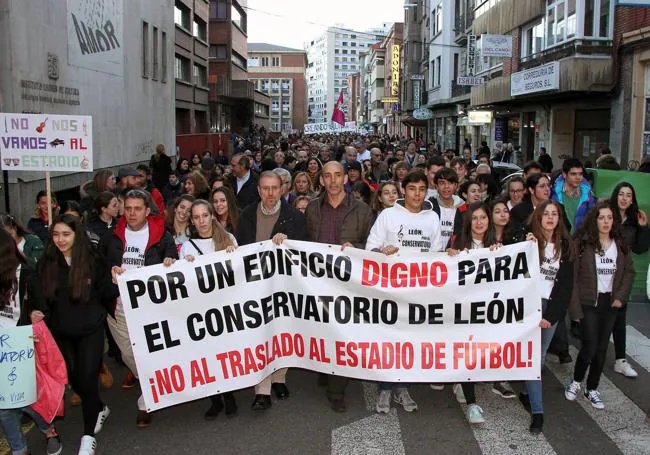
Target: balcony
463 24
232 89
460 90
507 15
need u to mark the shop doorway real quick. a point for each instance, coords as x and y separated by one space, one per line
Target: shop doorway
591 134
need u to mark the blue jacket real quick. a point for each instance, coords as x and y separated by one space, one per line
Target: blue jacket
586 202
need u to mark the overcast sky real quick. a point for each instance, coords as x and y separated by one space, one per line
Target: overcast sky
298 18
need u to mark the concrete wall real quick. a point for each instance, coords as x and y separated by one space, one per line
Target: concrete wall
131 114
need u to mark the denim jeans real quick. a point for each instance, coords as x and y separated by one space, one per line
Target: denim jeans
10 423
534 388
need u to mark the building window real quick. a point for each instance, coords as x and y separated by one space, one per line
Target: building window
275 61
200 76
219 9
438 70
163 59
483 64
218 51
154 74
182 16
436 20
238 16
145 49
532 40
560 21
200 29
264 61
285 106
238 60
182 68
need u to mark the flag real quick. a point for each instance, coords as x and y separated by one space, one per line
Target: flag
338 115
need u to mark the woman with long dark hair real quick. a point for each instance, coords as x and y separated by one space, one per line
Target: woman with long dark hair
196 185
224 203
77 290
28 244
177 219
602 285
477 232
314 166
183 167
636 235
19 295
161 166
208 236
556 255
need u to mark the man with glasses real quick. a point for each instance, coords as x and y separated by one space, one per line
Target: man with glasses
379 169
272 218
138 240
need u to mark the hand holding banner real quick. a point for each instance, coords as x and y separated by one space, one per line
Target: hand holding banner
228 320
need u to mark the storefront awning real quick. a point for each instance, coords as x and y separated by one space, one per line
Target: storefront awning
412 121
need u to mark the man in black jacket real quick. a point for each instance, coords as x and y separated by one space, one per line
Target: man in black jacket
243 181
137 241
273 218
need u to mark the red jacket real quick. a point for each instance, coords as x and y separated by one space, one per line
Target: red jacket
51 375
158 200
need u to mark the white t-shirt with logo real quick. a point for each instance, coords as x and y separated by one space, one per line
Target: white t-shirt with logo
605 268
548 268
136 245
447 217
10 315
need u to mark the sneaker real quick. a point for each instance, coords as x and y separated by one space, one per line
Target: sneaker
403 397
101 418
54 445
383 402
572 391
621 366
87 446
437 386
503 388
458 391
129 381
536 423
594 397
475 414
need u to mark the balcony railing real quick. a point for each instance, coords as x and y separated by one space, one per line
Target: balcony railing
460 90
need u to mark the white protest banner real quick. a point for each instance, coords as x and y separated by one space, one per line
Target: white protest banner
17 367
330 127
46 142
226 321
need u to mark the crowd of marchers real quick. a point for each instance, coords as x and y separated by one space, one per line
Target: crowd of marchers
60 274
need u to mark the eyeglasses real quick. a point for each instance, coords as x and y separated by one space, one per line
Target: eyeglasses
516 191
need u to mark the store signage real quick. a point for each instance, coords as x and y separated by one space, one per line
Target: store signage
500 129
422 114
394 70
539 79
480 117
496 45
470 80
471 54
417 94
389 100
417 77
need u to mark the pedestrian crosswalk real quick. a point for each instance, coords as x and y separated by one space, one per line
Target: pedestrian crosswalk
623 422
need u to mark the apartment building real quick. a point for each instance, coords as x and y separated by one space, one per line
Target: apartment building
280 72
190 65
332 57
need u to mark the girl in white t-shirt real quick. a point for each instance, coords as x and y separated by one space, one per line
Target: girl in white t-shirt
603 282
207 236
477 232
556 256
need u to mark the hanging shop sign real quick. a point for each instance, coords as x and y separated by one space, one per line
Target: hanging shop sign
422 114
470 80
394 70
496 45
479 117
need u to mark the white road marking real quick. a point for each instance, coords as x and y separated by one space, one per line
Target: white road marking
621 420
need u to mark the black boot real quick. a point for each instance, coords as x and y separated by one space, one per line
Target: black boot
281 390
231 404
261 402
536 423
215 408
